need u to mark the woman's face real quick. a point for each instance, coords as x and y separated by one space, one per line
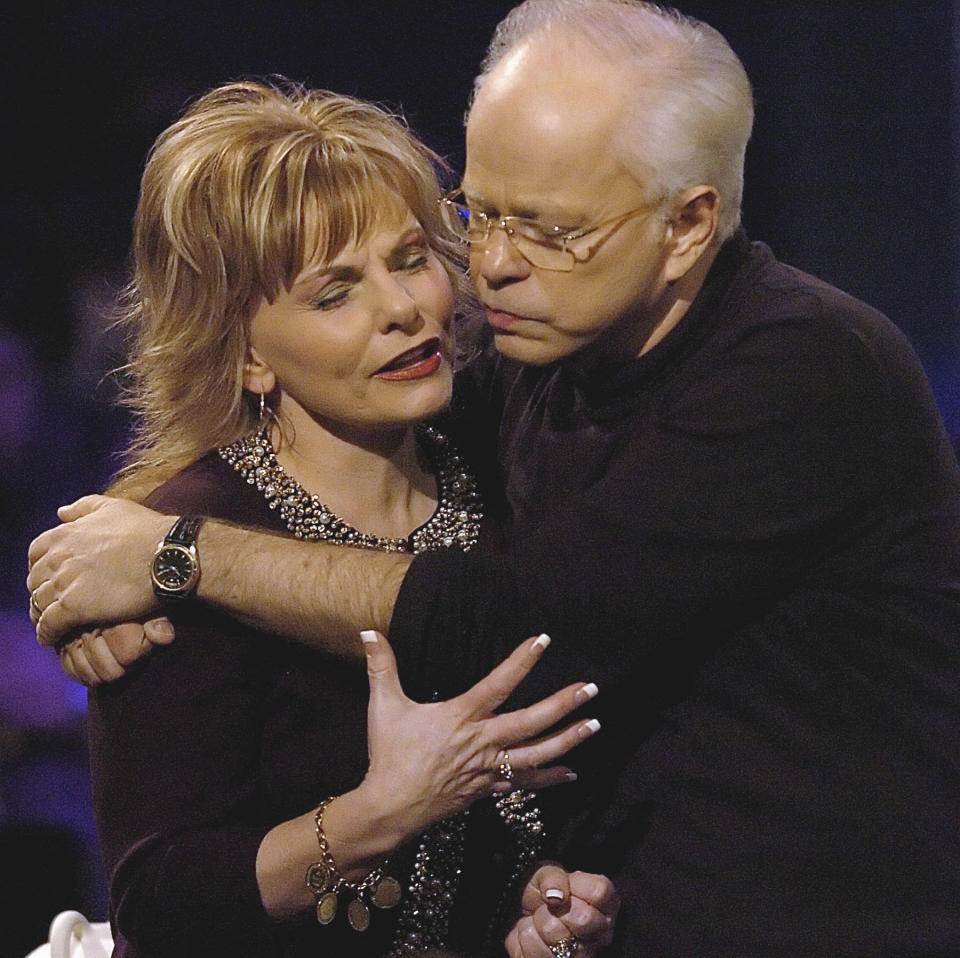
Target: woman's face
360 341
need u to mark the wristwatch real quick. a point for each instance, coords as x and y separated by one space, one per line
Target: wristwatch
175 571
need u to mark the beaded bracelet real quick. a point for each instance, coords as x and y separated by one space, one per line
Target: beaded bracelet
326 883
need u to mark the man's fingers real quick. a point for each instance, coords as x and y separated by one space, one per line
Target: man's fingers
51 626
493 690
81 507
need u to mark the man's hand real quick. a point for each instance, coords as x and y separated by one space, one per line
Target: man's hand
558 906
95 567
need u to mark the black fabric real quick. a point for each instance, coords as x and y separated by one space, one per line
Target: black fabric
750 539
205 746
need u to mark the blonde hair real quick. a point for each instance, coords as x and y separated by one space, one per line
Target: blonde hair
248 187
689 113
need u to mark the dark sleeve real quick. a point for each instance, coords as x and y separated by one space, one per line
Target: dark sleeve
805 455
174 759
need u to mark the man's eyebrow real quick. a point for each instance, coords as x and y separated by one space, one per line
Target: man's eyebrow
526 210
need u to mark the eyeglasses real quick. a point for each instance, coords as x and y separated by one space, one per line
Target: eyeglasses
541 245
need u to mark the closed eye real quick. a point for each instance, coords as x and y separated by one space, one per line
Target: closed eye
331 298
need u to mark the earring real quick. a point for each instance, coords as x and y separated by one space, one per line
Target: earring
263 407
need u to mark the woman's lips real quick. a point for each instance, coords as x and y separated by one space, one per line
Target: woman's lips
416 363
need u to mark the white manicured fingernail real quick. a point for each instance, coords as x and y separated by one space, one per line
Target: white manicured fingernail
368 636
590 726
570 777
543 640
553 894
588 691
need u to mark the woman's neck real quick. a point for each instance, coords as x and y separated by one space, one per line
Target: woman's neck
375 481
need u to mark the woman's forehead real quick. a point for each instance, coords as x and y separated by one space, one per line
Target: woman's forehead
329 231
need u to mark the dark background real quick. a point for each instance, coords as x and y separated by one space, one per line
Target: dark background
852 174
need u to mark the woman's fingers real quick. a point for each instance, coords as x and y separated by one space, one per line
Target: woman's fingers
589 916
549 885
103 655
77 661
493 690
524 724
159 631
381 666
595 890
536 779
526 758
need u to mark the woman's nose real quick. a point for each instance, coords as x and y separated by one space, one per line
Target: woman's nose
398 306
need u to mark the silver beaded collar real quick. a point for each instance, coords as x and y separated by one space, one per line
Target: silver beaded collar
454 524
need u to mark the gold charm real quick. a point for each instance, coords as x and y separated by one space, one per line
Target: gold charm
387 892
358 915
319 879
327 908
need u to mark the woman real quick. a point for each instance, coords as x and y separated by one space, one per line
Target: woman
290 307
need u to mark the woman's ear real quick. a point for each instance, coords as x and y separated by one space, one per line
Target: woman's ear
258 377
693 228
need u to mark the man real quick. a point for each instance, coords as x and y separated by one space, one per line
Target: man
728 492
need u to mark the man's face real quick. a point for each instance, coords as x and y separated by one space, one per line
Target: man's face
539 146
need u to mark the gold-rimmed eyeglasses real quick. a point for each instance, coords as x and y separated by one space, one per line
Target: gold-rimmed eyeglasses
540 244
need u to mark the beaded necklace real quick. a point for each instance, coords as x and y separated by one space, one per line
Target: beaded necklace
455 523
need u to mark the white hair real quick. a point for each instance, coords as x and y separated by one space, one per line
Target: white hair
692 114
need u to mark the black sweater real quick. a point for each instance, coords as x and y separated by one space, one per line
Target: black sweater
750 539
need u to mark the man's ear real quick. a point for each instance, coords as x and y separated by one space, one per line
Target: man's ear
258 377
692 229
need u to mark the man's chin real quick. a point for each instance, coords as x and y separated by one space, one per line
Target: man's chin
530 352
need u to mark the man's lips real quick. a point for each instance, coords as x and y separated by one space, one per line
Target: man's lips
415 363
501 320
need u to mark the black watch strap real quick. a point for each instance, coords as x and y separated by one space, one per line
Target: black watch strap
185 530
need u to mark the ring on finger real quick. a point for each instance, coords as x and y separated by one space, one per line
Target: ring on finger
565 947
33 602
505 769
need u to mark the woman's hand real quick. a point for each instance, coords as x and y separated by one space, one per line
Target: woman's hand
103 655
429 761
558 905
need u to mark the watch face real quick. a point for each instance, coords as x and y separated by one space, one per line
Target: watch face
174 568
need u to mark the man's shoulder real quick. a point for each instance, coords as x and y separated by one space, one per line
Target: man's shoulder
776 291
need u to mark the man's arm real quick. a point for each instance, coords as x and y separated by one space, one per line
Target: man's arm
94 568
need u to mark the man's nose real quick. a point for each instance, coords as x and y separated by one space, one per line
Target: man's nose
497 259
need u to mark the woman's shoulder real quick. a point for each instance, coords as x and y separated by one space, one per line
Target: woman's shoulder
211 487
